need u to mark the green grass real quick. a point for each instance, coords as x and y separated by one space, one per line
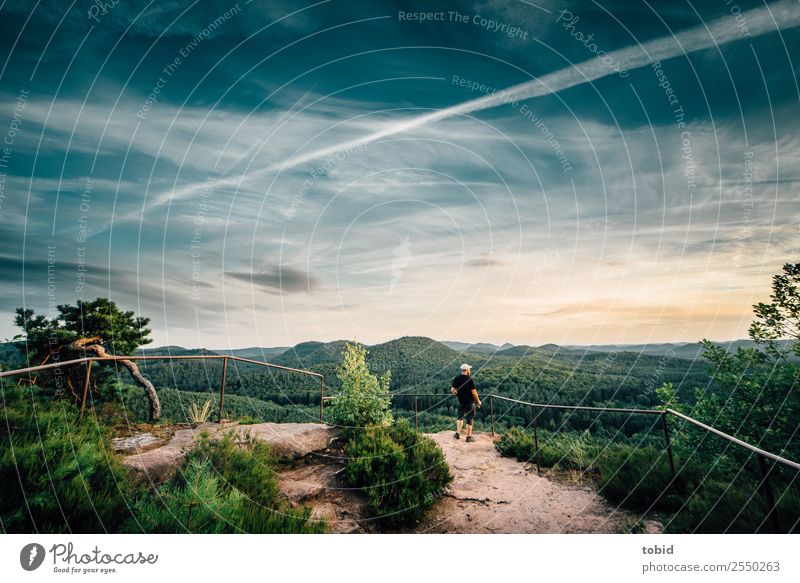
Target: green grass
222 488
60 476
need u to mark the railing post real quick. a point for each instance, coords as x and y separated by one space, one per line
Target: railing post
772 515
536 441
321 398
416 414
491 412
222 387
668 444
86 388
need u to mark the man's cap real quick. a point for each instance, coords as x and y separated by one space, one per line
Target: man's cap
465 366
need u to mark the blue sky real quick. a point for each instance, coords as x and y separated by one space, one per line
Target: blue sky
266 173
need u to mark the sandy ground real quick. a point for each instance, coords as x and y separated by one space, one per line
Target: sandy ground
495 494
489 494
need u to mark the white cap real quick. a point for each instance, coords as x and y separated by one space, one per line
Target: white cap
465 366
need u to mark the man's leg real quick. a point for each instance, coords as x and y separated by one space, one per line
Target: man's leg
468 418
459 424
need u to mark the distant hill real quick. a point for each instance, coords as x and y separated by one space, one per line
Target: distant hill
254 352
418 351
415 359
309 354
476 347
172 351
688 350
400 355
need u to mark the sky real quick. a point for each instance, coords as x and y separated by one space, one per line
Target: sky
267 173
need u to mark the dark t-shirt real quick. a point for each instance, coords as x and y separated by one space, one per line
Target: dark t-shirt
464 386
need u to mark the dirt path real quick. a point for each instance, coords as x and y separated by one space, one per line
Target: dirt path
495 494
490 494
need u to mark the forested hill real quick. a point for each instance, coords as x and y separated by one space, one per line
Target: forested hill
547 374
423 365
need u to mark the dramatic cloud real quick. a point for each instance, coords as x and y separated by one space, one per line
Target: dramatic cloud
279 279
307 172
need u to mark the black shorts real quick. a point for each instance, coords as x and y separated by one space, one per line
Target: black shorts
466 410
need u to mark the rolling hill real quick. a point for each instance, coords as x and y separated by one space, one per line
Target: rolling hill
419 365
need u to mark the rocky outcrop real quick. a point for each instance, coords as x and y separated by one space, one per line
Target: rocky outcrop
317 485
288 441
160 464
137 443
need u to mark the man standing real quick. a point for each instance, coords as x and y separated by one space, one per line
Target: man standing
464 388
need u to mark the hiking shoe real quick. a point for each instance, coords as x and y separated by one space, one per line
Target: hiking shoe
457 435
470 438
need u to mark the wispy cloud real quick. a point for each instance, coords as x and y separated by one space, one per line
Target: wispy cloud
769 19
279 279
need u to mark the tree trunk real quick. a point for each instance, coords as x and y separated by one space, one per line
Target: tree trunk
90 345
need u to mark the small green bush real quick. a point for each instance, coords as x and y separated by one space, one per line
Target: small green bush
401 471
639 478
718 507
362 400
518 443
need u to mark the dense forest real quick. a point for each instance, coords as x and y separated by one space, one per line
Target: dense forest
421 366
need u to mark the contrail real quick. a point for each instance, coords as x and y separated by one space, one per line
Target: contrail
760 21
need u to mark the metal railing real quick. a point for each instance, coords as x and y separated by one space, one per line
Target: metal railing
761 454
89 360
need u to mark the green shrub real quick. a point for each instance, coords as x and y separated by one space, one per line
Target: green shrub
717 506
192 503
789 509
401 471
362 400
518 443
639 478
726 497
573 451
58 476
222 488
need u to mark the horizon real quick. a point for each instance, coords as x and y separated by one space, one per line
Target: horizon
260 173
153 346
